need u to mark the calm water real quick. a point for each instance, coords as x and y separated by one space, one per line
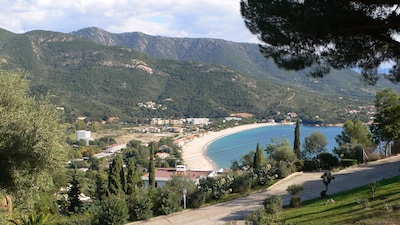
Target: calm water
228 148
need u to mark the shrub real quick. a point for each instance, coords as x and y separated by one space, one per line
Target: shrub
140 205
349 162
114 211
259 217
273 204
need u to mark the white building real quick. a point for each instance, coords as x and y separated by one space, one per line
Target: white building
83 134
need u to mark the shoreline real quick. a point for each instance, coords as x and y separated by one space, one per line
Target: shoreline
194 152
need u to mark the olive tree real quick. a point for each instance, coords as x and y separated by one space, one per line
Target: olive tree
32 144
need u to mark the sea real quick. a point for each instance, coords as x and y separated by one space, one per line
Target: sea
231 147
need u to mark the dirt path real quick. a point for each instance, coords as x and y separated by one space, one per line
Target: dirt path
237 209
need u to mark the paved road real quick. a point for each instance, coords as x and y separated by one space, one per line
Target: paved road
237 209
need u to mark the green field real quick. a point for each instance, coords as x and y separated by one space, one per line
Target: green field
351 207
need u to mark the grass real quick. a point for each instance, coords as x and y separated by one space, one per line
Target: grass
351 207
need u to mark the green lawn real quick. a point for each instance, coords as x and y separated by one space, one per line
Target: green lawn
351 207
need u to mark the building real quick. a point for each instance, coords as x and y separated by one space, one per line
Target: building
115 148
162 175
84 135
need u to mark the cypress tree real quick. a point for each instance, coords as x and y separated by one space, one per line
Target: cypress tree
101 186
132 178
114 176
258 158
296 144
152 169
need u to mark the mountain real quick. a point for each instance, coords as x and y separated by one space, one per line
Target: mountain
98 81
243 57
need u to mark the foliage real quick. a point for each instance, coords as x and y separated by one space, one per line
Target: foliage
386 125
350 151
151 168
327 160
202 89
32 146
101 191
296 142
259 217
75 204
313 145
132 178
259 160
116 179
295 190
327 177
167 200
114 211
140 205
321 35
35 219
354 132
373 187
273 204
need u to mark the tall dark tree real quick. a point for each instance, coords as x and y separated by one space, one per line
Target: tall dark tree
101 186
258 158
115 186
296 143
132 178
74 192
325 34
152 167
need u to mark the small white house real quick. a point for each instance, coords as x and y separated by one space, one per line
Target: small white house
84 135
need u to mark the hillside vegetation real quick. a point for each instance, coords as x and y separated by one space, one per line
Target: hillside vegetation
98 81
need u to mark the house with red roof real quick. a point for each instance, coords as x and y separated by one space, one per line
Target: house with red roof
162 175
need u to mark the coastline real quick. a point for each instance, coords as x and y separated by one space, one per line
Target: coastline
194 152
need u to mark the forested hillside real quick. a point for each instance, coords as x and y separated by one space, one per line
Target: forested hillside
97 81
243 57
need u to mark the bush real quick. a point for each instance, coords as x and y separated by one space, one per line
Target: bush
240 183
167 201
273 204
114 211
259 217
349 162
140 205
295 201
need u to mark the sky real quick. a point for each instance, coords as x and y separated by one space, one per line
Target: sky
219 19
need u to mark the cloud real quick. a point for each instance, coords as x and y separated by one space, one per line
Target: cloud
189 18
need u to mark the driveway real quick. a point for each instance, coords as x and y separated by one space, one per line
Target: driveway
237 209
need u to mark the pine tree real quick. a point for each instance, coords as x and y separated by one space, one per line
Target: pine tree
152 169
114 176
75 203
296 144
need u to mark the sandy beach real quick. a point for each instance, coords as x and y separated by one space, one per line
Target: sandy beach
194 153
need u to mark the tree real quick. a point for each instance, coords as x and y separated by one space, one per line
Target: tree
32 143
75 204
152 168
313 145
325 34
115 183
295 190
114 211
132 178
386 125
354 132
259 158
327 177
296 143
101 186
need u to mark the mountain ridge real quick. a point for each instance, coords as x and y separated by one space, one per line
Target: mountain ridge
99 82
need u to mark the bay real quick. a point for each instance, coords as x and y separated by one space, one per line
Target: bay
231 147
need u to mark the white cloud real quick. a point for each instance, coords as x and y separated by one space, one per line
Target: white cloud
189 18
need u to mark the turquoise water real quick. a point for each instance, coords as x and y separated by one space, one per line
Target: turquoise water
228 148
